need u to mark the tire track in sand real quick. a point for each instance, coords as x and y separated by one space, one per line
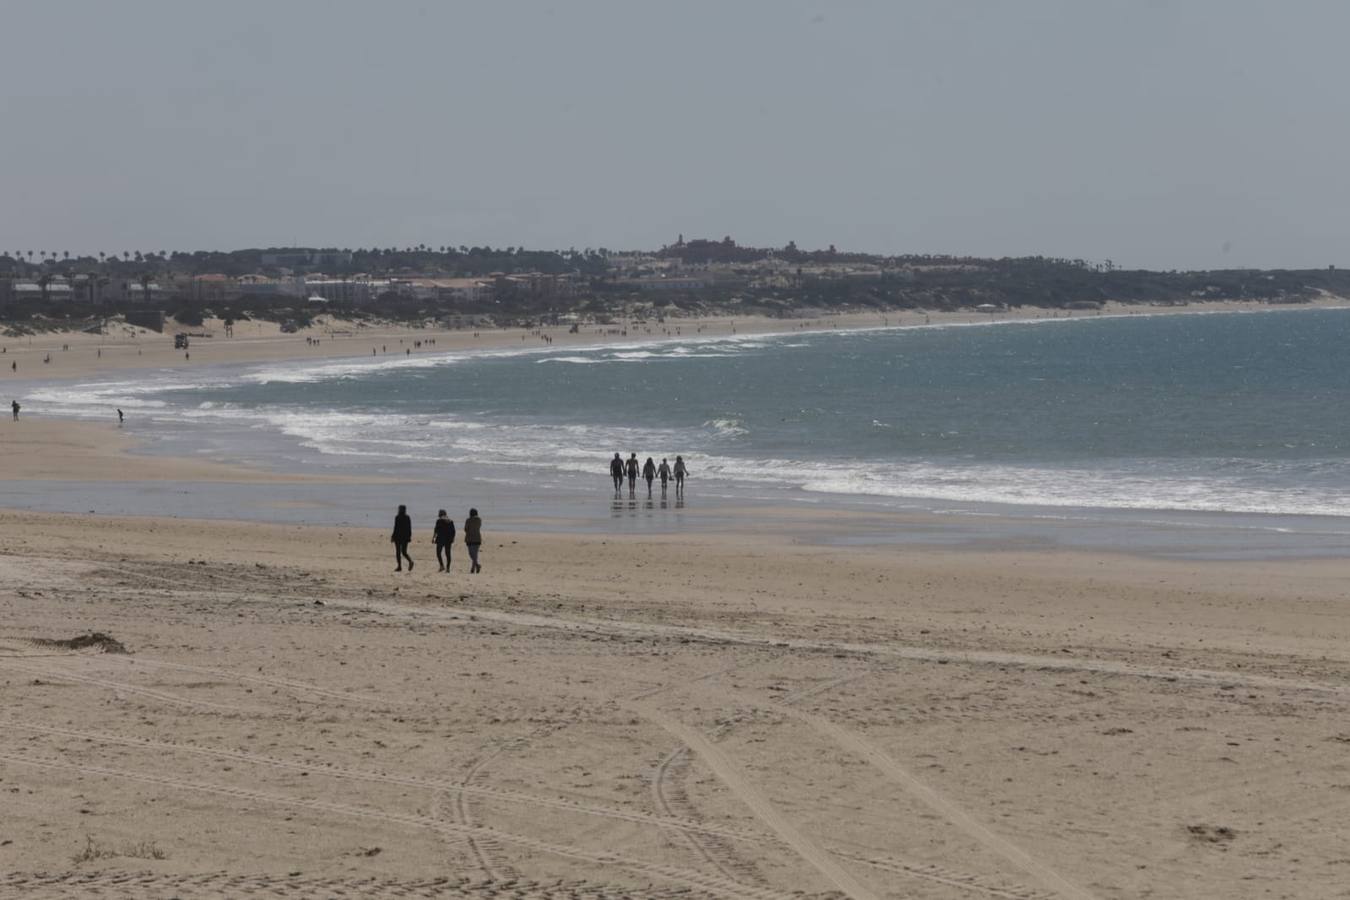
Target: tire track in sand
163 886
732 776
668 794
939 803
483 851
717 885
974 884
665 803
449 787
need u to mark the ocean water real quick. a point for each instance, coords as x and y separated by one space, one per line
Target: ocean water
1243 413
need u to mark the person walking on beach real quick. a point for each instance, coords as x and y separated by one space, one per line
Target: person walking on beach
14 405
443 532
649 473
616 472
632 469
120 417
663 471
473 539
401 537
681 470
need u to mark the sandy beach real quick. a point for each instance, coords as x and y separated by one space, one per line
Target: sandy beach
123 347
719 714
739 710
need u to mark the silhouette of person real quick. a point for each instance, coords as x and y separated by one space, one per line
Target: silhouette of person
473 539
632 470
443 532
681 470
14 405
663 471
649 472
120 417
616 472
401 537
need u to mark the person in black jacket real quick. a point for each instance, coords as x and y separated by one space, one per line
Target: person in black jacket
401 537
473 539
444 534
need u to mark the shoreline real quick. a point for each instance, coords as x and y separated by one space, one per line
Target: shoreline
131 348
64 454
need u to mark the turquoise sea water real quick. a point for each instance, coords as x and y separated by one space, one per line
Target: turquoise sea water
1240 413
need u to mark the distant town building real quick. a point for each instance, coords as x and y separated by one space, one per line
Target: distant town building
672 283
262 286
455 291
353 291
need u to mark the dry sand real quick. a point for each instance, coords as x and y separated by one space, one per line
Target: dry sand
607 717
715 715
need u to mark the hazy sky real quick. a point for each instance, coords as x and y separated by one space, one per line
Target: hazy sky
1159 133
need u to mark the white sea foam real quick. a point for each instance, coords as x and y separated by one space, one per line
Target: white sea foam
730 427
576 448
1227 485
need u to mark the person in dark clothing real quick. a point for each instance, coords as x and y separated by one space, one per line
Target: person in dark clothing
444 534
632 469
681 470
401 537
649 473
14 405
616 472
120 417
473 539
663 471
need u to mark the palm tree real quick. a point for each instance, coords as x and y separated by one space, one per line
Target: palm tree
145 280
43 280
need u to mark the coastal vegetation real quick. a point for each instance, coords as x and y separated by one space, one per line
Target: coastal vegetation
515 285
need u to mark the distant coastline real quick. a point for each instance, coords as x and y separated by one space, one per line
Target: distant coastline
118 346
486 288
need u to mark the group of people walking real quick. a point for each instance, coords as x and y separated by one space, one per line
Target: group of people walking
630 468
442 534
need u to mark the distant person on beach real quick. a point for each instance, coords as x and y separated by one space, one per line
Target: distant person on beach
632 470
443 532
401 537
120 417
616 472
473 539
14 405
681 470
649 473
663 471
